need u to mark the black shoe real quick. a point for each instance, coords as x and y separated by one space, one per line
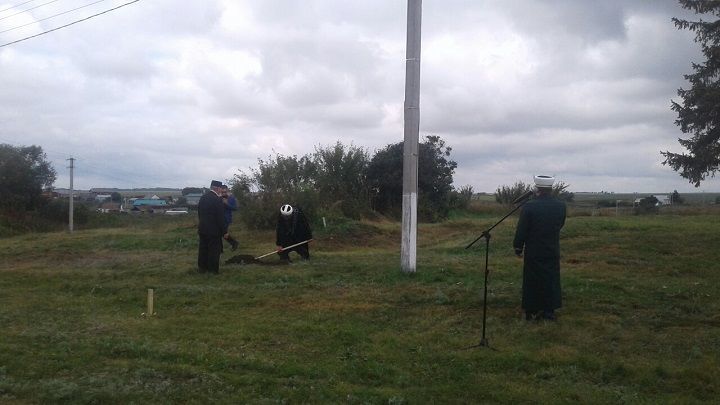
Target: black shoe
234 245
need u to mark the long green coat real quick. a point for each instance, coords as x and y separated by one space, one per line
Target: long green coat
538 235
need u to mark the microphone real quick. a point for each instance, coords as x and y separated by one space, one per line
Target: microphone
523 197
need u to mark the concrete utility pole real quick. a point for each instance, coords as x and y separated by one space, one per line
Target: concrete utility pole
72 194
408 253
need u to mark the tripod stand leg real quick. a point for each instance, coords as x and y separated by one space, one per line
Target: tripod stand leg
483 341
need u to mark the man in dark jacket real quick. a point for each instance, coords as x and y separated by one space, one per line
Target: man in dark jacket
292 228
211 229
538 235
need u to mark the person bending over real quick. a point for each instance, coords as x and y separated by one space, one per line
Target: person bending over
292 228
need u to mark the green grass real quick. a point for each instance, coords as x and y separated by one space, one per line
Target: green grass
640 321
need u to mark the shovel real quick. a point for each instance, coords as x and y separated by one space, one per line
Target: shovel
249 259
285 248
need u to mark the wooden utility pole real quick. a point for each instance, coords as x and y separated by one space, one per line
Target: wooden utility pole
408 251
72 194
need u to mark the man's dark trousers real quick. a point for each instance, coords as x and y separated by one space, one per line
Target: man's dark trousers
209 253
211 228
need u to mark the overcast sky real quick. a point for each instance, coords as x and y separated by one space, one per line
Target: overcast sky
174 93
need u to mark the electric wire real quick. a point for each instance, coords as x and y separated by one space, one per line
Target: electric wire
31 8
122 176
17 5
83 165
52 16
67 25
83 168
49 152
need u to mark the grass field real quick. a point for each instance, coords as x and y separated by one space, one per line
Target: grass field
640 323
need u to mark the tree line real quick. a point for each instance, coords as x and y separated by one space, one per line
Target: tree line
336 181
346 181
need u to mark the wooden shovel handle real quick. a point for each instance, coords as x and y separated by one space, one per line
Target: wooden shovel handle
285 248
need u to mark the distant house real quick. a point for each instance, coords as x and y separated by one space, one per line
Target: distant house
149 205
109 207
663 199
103 197
149 202
49 194
82 195
96 190
192 198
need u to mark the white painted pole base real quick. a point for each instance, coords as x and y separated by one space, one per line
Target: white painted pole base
408 253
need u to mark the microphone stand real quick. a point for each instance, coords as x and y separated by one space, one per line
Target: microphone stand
486 234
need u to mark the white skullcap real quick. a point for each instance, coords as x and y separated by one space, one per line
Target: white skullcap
544 181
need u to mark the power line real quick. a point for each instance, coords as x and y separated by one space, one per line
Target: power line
124 176
67 25
52 16
31 8
44 149
17 5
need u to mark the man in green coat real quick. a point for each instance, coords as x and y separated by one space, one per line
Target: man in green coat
538 237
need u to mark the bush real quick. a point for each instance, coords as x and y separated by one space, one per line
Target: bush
24 173
51 216
559 190
339 177
606 203
460 199
428 211
343 181
435 171
58 211
647 205
507 194
676 199
260 210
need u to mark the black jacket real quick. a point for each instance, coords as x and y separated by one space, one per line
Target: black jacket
211 215
538 234
292 230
